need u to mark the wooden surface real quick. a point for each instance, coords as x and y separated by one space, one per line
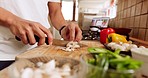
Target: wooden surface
139 42
54 50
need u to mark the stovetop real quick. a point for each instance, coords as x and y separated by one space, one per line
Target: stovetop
90 35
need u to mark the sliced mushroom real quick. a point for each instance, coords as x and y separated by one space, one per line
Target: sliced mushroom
71 46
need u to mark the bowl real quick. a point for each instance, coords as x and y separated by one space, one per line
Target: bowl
122 31
15 70
91 71
94 29
142 55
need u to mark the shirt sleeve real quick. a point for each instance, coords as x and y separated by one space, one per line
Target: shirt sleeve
54 0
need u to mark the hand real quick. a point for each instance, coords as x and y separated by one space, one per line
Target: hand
71 32
26 30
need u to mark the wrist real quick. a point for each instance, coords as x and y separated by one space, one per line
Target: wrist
9 21
12 19
6 17
60 30
4 21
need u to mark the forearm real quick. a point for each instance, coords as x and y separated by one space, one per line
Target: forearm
5 17
56 15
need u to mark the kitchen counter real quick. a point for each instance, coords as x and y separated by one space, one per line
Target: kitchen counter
55 50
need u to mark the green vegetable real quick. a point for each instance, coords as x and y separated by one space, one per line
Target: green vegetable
108 60
117 51
96 50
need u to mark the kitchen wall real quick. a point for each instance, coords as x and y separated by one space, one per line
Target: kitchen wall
132 14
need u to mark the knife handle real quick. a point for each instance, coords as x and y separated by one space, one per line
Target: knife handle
36 38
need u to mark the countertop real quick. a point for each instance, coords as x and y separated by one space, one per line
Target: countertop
54 50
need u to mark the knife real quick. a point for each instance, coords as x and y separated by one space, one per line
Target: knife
56 42
36 38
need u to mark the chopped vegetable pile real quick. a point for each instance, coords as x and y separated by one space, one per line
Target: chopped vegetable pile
71 46
45 70
106 59
122 46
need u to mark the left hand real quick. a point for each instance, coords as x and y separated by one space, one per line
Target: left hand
71 32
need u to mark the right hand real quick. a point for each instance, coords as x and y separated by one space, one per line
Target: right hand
25 30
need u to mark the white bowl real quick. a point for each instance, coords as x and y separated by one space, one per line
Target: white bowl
141 54
94 29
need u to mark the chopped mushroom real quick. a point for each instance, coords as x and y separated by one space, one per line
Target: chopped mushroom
71 46
47 70
121 46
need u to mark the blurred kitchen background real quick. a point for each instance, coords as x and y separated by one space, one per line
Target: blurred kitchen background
127 14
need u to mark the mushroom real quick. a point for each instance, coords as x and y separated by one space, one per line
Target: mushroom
71 46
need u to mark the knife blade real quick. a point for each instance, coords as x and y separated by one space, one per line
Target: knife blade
59 42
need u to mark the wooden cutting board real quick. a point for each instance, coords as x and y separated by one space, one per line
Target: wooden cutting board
56 50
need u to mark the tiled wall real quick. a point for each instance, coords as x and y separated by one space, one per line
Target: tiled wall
132 14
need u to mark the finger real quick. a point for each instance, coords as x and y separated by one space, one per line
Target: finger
50 38
65 34
41 36
66 37
78 34
23 37
31 38
48 34
72 32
